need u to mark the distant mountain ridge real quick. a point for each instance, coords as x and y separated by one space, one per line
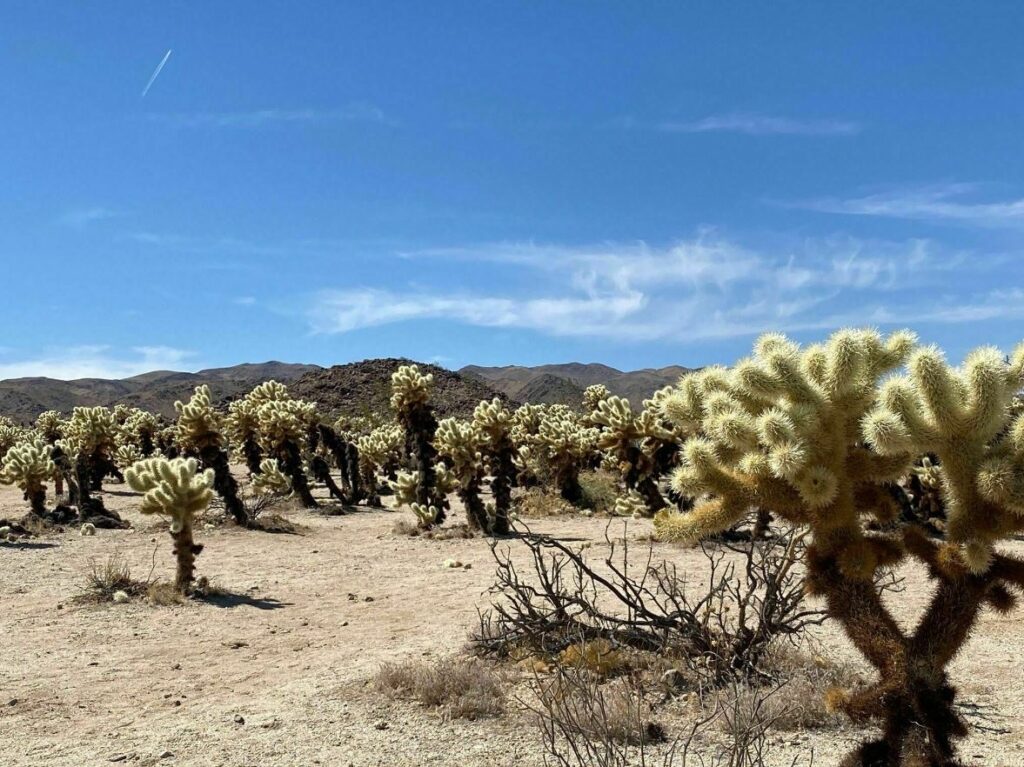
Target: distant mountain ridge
25 398
356 388
565 383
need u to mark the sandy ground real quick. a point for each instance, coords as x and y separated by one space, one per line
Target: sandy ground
280 676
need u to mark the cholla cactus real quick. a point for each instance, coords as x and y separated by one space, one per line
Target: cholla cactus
462 442
50 426
565 445
380 450
29 465
268 391
270 480
200 435
593 396
284 427
140 429
346 458
90 439
631 441
410 399
631 504
126 455
786 430
178 490
496 423
242 427
10 435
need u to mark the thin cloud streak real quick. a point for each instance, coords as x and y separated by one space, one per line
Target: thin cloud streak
365 113
930 203
762 125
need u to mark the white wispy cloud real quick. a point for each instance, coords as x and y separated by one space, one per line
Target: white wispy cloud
943 202
761 125
707 287
357 112
79 217
94 361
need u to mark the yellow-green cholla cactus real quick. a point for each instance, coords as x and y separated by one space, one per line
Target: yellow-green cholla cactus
29 466
631 441
175 489
462 443
496 422
270 480
816 435
410 399
284 426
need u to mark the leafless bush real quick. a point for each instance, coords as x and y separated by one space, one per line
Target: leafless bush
461 689
721 632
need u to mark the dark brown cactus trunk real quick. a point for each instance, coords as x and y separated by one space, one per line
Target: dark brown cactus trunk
913 697
356 493
322 473
291 462
476 513
501 486
216 458
253 455
185 552
37 500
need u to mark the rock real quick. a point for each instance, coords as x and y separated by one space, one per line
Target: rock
118 758
239 719
467 566
452 563
166 754
12 702
382 725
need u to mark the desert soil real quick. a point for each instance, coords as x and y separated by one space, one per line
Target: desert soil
280 674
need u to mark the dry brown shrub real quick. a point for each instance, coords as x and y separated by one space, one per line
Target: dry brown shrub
599 489
163 594
460 688
538 502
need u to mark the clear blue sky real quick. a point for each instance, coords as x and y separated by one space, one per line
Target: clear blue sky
638 184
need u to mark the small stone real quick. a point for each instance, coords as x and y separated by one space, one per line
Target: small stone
166 754
382 725
236 644
452 563
467 566
118 758
367 599
12 702
176 667
239 719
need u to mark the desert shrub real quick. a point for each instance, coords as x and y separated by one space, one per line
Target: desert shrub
538 502
460 688
598 491
720 631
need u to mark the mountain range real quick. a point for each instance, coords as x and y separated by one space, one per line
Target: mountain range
356 388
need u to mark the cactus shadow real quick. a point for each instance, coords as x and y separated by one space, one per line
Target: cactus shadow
29 545
229 600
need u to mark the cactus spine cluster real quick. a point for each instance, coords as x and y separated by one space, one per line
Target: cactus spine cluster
816 435
175 489
631 442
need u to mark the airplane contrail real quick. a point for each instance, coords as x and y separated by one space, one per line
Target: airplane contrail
156 73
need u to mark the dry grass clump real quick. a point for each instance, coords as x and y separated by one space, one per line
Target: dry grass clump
538 502
460 688
110 578
806 676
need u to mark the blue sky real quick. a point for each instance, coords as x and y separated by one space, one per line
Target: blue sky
496 183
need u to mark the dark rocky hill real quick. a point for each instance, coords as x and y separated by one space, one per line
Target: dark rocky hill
364 388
